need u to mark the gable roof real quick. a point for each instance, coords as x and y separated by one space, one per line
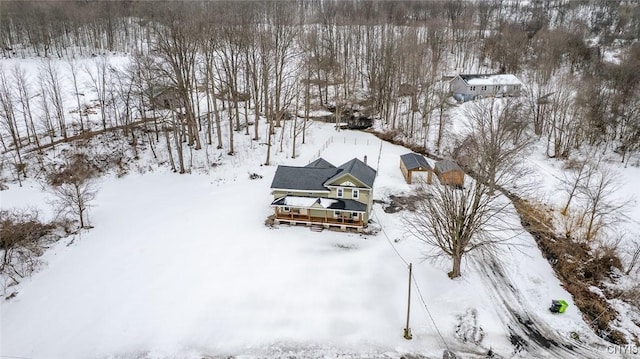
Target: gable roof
302 178
446 166
316 175
357 169
489 79
321 163
413 160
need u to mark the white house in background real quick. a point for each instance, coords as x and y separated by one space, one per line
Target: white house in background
471 87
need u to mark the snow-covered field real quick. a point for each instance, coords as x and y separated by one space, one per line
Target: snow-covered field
183 266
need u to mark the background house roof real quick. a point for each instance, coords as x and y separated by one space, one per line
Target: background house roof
413 160
446 166
501 79
357 169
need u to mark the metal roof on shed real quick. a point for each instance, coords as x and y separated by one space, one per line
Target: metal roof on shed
446 166
413 160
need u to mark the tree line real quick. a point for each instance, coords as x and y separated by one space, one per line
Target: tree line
386 58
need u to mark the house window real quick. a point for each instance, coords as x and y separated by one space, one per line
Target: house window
286 209
484 88
354 214
497 88
336 214
339 192
355 193
472 88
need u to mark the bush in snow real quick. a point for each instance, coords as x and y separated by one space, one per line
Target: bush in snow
22 240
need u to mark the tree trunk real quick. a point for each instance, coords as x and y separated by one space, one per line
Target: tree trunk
166 137
455 269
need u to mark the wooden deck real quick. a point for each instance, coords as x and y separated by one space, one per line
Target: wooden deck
295 218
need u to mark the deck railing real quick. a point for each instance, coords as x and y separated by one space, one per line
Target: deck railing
302 218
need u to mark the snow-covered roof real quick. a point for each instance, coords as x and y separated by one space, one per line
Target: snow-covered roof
327 203
480 80
299 201
316 113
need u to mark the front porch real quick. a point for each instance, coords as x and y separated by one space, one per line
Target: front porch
346 220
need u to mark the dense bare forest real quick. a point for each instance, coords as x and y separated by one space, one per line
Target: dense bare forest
386 59
197 76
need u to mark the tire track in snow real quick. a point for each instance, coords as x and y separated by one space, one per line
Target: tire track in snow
527 332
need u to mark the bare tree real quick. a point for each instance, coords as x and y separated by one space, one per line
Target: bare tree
99 80
634 257
46 113
592 206
628 126
49 72
177 46
74 189
452 222
581 171
24 95
495 141
73 69
601 207
74 198
9 122
209 47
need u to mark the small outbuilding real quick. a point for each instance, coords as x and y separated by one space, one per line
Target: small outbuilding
449 173
413 162
166 98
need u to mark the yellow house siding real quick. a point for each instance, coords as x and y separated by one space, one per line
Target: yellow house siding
347 193
365 196
346 178
317 212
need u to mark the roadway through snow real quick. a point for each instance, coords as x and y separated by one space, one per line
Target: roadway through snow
527 332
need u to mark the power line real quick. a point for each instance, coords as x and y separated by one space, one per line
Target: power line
415 282
428 312
389 240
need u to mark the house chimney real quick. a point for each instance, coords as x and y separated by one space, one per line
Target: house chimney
365 159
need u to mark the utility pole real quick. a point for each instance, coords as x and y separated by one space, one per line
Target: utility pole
407 330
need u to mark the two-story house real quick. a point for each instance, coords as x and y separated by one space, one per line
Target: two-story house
471 87
322 194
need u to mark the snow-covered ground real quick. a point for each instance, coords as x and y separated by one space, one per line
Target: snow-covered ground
183 266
